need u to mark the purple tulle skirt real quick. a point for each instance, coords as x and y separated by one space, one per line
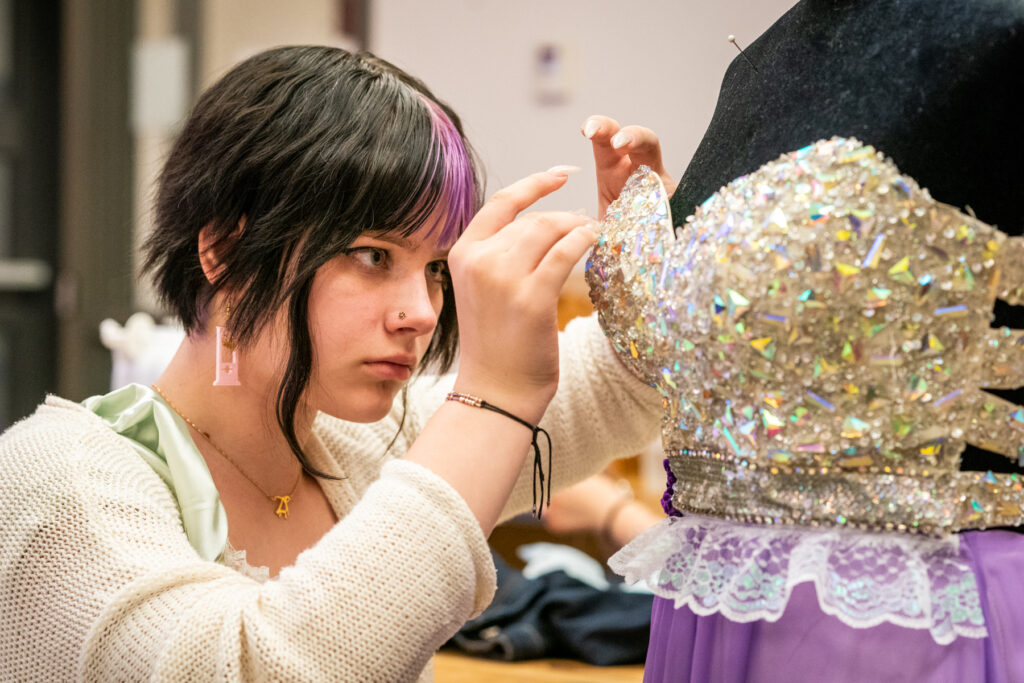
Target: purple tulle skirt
807 645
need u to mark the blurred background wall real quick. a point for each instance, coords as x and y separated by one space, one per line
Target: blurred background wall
92 93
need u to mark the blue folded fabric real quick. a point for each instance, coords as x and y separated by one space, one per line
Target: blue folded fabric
556 615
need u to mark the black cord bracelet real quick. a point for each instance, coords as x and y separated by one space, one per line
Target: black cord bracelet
538 466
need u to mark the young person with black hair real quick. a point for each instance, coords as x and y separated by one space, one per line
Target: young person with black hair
292 500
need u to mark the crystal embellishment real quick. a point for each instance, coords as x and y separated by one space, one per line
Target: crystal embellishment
819 332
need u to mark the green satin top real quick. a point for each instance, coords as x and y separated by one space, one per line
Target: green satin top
162 439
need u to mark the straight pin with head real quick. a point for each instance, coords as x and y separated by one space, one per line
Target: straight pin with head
732 39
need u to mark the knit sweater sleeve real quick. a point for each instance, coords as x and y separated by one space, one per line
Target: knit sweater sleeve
600 412
99 582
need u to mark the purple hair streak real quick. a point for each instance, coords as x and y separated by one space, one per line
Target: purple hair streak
451 159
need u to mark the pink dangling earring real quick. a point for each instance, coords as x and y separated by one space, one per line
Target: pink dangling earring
227 357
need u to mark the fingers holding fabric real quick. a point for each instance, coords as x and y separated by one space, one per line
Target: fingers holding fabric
530 239
618 152
529 258
558 262
644 148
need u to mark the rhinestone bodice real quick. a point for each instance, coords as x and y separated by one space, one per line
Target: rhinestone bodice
820 333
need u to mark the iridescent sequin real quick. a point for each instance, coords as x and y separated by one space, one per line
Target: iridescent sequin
819 330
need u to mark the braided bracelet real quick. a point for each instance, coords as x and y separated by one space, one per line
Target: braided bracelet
538 467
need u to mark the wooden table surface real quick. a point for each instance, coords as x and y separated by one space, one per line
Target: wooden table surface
454 667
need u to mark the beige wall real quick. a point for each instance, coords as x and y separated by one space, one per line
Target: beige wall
658 63
235 29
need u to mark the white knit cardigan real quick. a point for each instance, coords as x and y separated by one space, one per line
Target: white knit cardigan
98 581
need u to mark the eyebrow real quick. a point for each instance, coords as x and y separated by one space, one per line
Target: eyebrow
399 241
391 238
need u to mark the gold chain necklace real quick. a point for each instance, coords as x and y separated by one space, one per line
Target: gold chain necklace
280 501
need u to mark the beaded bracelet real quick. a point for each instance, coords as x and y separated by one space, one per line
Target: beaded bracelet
538 467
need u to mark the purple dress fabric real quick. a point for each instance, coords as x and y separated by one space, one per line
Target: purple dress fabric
806 644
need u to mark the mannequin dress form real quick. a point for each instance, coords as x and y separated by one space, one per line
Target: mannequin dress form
939 88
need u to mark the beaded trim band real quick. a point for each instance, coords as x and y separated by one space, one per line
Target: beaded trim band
711 483
538 467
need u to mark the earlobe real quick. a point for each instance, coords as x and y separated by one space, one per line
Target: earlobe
209 248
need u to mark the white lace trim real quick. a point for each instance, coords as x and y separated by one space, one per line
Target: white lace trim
747 572
236 559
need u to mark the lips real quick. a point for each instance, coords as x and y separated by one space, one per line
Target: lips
391 368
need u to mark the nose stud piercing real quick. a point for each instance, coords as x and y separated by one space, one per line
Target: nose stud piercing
401 315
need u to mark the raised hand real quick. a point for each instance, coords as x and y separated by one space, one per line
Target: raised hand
507 271
618 151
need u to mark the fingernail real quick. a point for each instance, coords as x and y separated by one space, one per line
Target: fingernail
620 139
590 128
563 170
